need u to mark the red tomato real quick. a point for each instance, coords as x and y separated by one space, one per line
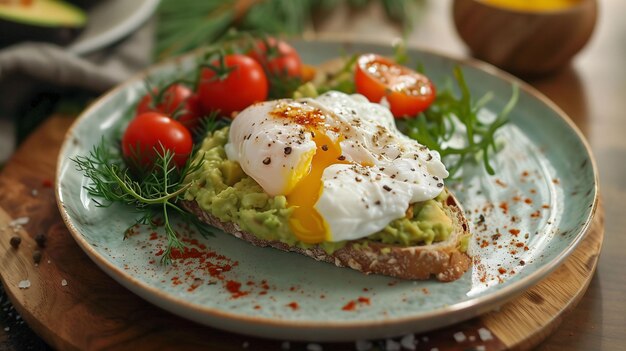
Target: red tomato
149 133
244 84
278 57
177 100
407 91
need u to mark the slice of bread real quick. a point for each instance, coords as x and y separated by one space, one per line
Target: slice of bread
444 260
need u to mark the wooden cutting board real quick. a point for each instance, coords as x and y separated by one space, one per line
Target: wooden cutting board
72 304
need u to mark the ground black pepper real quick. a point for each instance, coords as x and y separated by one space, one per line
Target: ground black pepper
40 239
36 256
15 241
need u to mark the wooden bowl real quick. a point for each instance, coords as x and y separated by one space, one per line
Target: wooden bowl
524 42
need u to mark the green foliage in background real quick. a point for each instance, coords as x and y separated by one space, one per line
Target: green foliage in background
187 24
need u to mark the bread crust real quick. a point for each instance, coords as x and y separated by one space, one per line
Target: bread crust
443 260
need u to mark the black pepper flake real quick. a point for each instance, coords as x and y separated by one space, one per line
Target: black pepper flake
430 157
386 187
341 158
287 150
325 147
267 161
377 202
358 180
439 185
40 239
15 241
36 256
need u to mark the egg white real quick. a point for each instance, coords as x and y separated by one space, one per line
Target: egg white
387 171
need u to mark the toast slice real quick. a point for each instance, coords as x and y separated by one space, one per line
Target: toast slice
444 260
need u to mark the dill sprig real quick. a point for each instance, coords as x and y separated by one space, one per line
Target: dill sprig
437 126
154 194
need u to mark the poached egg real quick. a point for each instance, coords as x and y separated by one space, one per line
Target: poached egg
344 167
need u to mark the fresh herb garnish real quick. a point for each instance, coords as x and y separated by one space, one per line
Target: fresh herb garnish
154 193
436 127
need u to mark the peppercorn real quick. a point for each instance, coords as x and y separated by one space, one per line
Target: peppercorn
40 239
15 241
36 256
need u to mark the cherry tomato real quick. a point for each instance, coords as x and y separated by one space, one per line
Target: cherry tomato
177 100
406 91
242 85
278 57
149 133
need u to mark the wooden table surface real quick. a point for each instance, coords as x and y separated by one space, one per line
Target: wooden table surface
592 91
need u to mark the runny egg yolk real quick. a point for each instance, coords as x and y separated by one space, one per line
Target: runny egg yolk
305 221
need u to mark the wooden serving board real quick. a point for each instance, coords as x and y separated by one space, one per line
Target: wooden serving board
72 304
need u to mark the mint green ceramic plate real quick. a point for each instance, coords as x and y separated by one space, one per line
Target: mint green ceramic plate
526 220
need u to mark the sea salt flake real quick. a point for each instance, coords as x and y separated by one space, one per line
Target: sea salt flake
6 329
391 345
63 282
434 349
472 338
481 348
485 334
363 345
314 347
245 344
19 221
24 284
408 342
285 345
459 337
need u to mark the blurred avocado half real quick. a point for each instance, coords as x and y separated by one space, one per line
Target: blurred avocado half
53 21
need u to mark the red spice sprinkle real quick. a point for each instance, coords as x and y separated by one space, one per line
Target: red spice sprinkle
517 198
154 236
46 183
350 306
264 292
556 181
366 289
533 191
484 244
425 291
514 231
293 288
501 183
159 253
528 201
535 214
364 300
519 244
545 206
234 288
525 174
257 307
501 270
293 305
505 207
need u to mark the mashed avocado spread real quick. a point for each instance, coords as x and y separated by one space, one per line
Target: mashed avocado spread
221 188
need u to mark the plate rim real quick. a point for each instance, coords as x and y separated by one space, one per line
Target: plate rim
472 307
110 36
